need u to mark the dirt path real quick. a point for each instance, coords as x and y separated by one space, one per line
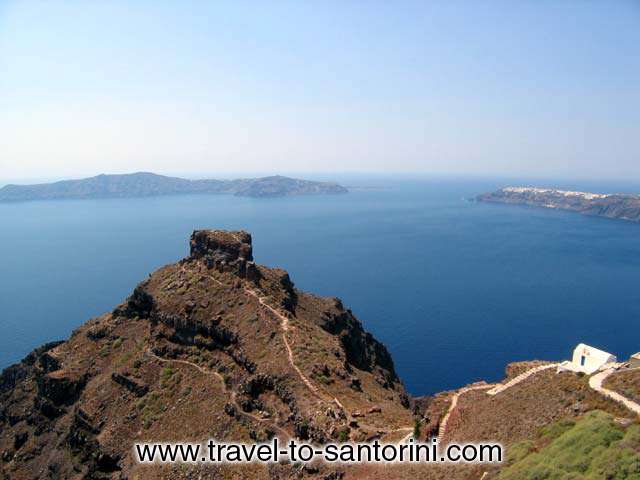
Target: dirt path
284 325
317 392
232 394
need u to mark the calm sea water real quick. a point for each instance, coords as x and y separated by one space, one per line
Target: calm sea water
455 289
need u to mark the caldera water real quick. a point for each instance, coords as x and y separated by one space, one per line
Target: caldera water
455 289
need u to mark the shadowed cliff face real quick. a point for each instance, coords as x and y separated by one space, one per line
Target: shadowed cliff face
213 346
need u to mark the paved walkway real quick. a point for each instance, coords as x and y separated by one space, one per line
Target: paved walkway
596 381
520 378
442 429
494 390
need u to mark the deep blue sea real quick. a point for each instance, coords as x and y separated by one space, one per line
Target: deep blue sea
455 289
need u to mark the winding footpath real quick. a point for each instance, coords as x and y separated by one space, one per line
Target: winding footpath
232 394
285 327
315 391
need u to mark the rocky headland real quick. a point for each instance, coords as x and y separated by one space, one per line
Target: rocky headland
212 346
619 206
218 346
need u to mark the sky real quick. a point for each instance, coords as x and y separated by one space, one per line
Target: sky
537 88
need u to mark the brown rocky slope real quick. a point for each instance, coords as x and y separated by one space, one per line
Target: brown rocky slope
216 346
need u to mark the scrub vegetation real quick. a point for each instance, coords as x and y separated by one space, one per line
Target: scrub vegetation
593 448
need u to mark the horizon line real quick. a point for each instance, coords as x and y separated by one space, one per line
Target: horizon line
397 174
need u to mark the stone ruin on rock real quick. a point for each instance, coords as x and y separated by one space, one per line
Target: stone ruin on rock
226 251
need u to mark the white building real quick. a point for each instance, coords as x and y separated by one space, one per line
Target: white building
588 359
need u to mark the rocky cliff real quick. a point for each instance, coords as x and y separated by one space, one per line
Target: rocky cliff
217 346
213 346
624 207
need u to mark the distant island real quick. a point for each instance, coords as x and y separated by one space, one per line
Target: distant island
144 184
620 206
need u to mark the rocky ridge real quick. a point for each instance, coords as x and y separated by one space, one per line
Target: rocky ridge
214 345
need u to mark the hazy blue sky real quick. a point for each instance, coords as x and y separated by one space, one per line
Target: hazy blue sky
540 87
